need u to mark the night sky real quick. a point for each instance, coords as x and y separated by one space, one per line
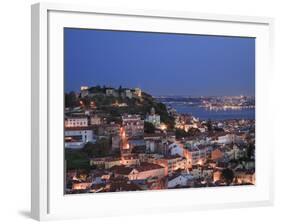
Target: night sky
161 64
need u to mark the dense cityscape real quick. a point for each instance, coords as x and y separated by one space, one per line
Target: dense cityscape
125 139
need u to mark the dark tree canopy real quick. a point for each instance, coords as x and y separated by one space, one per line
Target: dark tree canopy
180 133
71 100
86 101
193 132
100 148
76 159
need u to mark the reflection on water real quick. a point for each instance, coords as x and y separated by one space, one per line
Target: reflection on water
205 114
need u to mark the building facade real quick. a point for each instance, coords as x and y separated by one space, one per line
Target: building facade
133 125
70 122
95 120
76 138
153 118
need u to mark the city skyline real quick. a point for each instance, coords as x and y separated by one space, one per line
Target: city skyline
160 64
118 136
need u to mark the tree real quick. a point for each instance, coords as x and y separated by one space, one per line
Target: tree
228 175
86 101
193 132
99 149
180 133
71 100
76 160
161 109
149 127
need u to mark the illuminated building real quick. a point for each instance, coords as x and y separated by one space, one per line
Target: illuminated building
137 92
76 138
141 172
153 118
76 122
243 176
133 125
181 180
172 163
84 91
95 120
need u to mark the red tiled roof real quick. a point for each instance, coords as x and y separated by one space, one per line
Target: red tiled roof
148 166
122 170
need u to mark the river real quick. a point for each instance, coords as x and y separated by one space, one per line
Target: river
205 114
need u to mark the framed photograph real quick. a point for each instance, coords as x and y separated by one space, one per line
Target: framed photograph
139 111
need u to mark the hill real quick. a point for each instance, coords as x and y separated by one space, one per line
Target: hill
117 101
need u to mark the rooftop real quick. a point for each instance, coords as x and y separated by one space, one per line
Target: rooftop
141 168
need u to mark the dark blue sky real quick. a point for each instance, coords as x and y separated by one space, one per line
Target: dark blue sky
161 64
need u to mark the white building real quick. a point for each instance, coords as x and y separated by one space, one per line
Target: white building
229 138
153 118
70 122
128 93
202 129
197 155
77 138
84 91
176 149
180 180
171 163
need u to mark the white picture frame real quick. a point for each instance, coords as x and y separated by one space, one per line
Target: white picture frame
48 201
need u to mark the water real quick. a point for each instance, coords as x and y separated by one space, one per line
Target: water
205 114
